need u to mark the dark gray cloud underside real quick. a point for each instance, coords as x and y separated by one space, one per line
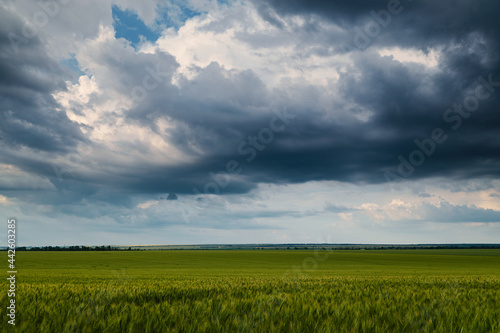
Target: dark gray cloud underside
29 115
214 114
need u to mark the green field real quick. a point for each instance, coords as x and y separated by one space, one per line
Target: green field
258 291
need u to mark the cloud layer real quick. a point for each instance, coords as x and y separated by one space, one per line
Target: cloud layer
233 96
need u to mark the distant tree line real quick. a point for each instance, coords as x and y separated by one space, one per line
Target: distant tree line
434 247
268 247
74 248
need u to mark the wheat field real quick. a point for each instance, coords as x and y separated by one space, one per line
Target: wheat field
259 291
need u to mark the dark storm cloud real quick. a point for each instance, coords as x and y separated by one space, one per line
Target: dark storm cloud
29 115
407 102
413 23
344 10
172 196
216 115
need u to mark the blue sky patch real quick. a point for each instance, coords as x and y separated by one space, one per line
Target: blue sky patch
128 25
73 65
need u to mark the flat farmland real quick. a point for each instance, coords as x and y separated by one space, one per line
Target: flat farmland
258 291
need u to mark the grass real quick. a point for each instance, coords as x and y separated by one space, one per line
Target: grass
258 291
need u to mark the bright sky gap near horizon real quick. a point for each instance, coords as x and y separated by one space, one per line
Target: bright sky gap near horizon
198 122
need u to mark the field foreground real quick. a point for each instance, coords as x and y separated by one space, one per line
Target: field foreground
258 291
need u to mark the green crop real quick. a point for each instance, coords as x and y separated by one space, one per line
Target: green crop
258 291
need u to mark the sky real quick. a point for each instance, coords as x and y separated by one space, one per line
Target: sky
201 122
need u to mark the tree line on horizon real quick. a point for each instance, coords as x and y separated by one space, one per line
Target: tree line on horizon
279 247
74 248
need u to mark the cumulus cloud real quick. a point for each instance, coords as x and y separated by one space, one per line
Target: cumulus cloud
442 211
446 212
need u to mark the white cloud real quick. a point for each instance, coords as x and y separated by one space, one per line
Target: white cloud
4 200
238 37
146 10
429 59
15 179
147 204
